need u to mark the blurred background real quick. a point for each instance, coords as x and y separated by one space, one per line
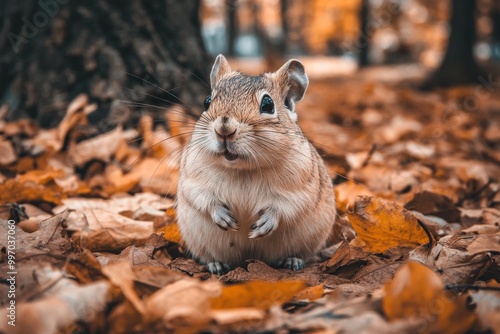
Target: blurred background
364 31
149 54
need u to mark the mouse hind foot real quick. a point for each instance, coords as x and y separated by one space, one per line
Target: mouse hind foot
292 263
218 268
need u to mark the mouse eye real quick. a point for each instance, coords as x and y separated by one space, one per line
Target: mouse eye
267 105
207 101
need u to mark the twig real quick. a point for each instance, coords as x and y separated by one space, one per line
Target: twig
471 287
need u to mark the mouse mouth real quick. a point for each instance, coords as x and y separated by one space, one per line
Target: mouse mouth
230 156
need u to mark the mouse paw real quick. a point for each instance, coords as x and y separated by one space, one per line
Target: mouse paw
218 268
266 225
223 218
292 263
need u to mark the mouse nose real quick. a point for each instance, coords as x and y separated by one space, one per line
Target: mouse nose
224 133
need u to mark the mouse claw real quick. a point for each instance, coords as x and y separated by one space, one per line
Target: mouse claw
224 220
218 268
266 225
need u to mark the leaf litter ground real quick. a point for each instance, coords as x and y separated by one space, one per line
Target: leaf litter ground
416 247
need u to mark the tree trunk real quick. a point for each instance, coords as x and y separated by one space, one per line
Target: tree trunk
458 66
495 18
364 37
149 52
232 26
285 27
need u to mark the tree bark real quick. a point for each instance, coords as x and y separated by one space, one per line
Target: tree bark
495 18
458 66
149 52
364 37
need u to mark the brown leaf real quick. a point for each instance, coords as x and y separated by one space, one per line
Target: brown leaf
433 204
485 243
122 275
101 148
7 154
417 292
111 231
191 299
488 308
49 237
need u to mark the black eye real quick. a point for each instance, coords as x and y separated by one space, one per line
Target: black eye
267 105
207 101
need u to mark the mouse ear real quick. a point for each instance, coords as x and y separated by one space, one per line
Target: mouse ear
219 69
293 76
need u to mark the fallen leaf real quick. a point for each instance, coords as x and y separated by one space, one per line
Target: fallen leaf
417 292
122 275
258 294
347 192
186 300
451 259
171 233
101 147
312 293
13 191
111 231
62 304
7 154
488 308
382 225
50 237
230 316
485 243
433 204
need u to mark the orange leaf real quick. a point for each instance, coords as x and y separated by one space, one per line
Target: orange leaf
16 192
171 233
257 294
418 292
311 293
382 225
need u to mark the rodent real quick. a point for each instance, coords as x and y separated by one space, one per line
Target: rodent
251 186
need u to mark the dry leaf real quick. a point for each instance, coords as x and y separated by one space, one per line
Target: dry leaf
312 293
418 292
101 148
111 231
382 225
171 233
258 294
7 154
62 304
185 300
122 275
346 193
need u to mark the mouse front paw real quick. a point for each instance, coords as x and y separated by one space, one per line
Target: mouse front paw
266 225
224 219
218 268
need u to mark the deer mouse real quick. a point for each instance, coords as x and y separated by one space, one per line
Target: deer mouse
251 186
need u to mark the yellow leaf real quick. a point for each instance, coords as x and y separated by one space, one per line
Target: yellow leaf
257 294
382 225
417 292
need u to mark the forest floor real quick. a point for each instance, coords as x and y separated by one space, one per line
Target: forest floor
88 231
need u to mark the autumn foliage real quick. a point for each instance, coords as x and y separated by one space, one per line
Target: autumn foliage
416 246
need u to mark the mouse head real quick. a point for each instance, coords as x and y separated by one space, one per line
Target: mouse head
250 121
